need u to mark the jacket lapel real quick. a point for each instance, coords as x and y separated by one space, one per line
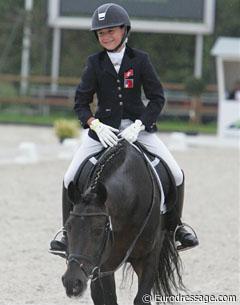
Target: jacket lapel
107 65
127 60
126 64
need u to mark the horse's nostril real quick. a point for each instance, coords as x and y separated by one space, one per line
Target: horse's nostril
79 285
77 288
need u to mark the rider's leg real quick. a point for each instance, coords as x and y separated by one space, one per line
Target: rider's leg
157 147
61 245
87 148
183 236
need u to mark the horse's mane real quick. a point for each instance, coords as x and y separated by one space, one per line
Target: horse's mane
111 159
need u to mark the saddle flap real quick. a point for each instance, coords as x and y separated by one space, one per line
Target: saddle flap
164 177
84 173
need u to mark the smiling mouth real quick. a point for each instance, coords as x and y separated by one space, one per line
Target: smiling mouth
108 42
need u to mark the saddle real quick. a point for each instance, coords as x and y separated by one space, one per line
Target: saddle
159 168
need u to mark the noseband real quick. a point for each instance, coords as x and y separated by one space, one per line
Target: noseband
96 273
108 234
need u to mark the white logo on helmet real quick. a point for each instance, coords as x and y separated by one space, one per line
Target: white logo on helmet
101 16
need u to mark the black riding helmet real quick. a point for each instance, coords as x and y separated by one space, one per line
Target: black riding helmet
111 15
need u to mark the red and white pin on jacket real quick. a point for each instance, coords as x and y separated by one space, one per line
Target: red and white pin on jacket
128 83
128 73
128 80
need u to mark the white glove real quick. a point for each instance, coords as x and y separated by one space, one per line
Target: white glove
105 133
131 132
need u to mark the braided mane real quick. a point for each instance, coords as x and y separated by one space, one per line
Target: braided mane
110 160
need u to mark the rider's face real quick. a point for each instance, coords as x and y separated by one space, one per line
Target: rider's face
110 38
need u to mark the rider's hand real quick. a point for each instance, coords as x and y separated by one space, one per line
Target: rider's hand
131 132
105 133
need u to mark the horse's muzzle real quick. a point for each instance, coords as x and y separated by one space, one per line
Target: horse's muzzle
75 287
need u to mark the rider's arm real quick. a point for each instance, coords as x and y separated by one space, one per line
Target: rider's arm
154 93
84 94
89 121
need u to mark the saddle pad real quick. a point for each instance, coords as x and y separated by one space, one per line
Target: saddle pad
159 168
163 206
163 176
84 173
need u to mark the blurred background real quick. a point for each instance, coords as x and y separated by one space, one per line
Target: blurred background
42 58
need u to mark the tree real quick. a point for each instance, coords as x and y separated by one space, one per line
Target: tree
171 54
11 25
195 88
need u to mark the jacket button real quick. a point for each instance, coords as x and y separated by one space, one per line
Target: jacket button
119 88
120 95
121 103
118 81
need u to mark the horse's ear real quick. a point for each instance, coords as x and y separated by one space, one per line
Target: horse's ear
101 192
73 193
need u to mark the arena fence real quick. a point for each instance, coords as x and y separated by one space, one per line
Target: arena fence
41 95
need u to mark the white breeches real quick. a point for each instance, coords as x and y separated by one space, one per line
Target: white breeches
90 146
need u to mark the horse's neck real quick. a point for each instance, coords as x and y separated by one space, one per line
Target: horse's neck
111 160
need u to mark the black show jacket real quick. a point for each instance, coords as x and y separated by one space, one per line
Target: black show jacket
119 94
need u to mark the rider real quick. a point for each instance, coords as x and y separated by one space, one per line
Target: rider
117 75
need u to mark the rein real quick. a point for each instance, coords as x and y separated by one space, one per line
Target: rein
129 251
96 273
107 233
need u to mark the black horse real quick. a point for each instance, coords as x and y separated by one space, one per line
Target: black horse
115 221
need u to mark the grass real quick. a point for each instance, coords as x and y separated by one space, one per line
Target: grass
45 120
185 126
48 120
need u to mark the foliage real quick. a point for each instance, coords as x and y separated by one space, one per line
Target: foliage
11 25
66 129
194 86
7 90
235 124
172 54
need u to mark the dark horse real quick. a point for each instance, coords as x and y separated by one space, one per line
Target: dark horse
117 220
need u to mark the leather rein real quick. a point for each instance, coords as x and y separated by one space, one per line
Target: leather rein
96 272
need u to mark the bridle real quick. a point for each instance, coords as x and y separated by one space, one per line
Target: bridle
96 272
108 236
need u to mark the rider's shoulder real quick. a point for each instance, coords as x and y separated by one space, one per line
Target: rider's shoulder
95 56
140 54
132 52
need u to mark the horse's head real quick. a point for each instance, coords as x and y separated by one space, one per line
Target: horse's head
88 231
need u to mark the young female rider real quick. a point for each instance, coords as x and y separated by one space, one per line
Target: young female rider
117 75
